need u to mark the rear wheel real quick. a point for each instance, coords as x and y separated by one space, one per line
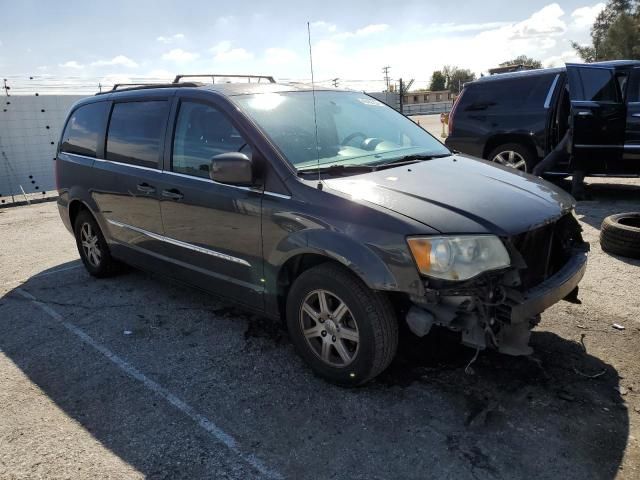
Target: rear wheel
514 155
346 332
93 248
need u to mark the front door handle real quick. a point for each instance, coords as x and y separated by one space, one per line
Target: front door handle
146 188
585 114
635 114
173 194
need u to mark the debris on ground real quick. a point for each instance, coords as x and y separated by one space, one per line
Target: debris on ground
127 332
617 326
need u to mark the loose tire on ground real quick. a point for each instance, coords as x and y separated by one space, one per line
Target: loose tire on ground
369 312
521 152
620 234
100 263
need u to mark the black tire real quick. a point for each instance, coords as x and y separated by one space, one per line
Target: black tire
106 265
372 312
620 234
529 156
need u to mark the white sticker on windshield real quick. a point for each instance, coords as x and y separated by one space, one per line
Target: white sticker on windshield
371 101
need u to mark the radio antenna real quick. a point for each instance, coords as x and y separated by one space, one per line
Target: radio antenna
315 113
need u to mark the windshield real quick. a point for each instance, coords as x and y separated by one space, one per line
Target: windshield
353 129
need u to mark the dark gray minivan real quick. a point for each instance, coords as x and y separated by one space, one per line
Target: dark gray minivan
326 209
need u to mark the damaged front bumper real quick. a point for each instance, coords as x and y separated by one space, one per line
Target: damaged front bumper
499 309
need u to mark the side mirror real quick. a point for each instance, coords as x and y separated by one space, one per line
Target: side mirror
233 168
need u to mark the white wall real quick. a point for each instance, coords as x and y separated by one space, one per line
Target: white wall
30 128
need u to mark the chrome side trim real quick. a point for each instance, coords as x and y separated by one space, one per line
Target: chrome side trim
547 102
597 146
277 195
179 243
632 147
140 167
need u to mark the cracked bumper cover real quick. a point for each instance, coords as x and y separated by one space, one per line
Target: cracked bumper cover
552 290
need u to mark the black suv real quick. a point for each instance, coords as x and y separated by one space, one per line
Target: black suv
326 209
515 119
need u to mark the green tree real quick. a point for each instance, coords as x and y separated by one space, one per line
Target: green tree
615 34
438 82
523 60
456 77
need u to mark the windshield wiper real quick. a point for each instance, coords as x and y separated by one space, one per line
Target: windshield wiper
418 157
337 169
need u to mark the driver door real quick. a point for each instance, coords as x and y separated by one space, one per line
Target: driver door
598 114
212 230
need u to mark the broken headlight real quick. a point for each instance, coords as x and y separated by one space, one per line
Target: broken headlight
459 257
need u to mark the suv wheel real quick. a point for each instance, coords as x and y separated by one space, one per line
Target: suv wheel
346 332
514 155
92 246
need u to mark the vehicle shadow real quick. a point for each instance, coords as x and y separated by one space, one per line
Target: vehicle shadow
424 417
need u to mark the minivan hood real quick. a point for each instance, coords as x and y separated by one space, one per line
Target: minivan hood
460 194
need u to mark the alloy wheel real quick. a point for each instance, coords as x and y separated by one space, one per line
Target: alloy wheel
90 246
329 328
512 159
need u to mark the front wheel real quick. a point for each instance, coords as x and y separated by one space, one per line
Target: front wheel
346 332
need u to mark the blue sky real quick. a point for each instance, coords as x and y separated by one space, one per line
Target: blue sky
127 40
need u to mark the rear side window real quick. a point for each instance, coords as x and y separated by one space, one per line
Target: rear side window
136 132
527 92
598 85
203 132
84 129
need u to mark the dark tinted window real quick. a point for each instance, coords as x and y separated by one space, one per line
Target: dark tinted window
528 92
136 131
84 128
599 85
203 132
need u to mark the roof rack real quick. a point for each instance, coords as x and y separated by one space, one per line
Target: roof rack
144 86
213 77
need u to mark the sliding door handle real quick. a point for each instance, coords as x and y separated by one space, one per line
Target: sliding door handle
173 194
635 114
146 188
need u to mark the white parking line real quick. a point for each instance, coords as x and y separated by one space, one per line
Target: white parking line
206 424
42 274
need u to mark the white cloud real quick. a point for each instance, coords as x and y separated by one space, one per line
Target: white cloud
71 64
568 56
585 16
462 27
279 56
364 31
223 52
171 38
119 60
180 56
322 25
547 21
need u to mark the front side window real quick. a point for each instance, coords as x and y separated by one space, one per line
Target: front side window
202 132
352 128
599 85
84 129
136 131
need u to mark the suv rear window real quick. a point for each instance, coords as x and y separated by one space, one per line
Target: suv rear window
84 129
136 131
527 92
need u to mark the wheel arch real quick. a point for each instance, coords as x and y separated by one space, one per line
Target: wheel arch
504 138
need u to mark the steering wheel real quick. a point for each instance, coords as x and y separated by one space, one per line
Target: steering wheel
350 137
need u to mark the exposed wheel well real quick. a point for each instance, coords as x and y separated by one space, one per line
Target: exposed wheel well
498 140
75 207
292 269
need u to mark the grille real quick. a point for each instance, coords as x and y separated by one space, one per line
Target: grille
545 250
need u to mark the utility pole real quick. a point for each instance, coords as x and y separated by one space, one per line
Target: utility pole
6 87
335 82
385 70
401 96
